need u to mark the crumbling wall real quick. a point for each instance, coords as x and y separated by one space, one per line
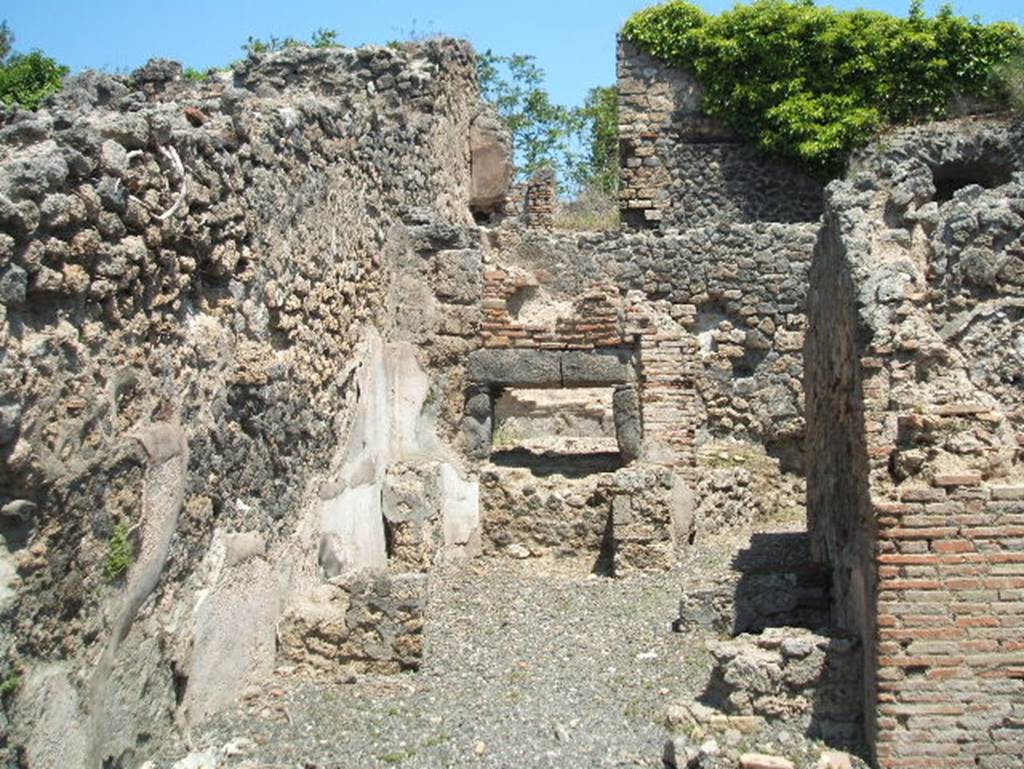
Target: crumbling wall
914 416
715 313
681 169
805 679
202 261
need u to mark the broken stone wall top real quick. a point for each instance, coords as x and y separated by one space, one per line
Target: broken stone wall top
205 259
916 497
680 168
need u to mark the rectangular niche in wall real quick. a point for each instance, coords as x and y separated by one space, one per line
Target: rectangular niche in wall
566 421
538 407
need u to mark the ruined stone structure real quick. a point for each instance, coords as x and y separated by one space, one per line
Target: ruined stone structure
683 169
290 333
914 364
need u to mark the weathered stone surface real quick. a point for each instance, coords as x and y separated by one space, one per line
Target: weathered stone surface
628 422
793 675
368 624
457 276
515 368
491 163
218 275
908 276
602 367
679 753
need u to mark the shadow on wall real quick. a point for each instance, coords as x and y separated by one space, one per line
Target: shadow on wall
779 585
784 663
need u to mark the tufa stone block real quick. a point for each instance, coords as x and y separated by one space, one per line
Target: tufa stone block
515 368
585 369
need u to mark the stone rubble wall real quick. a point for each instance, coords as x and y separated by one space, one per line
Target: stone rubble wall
624 521
716 315
701 330
791 675
206 259
681 169
356 625
916 498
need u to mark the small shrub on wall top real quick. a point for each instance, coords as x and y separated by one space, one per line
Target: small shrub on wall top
810 84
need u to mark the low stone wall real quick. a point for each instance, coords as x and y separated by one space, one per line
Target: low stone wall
799 677
360 624
619 522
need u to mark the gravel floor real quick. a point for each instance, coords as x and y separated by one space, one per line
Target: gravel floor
525 665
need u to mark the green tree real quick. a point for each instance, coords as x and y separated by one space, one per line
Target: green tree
26 79
324 38
541 130
812 83
6 40
599 126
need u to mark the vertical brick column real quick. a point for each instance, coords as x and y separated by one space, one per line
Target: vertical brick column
951 625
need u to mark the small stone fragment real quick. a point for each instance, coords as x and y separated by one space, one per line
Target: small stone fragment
764 761
834 759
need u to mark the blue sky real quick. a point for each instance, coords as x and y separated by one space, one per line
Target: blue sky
573 40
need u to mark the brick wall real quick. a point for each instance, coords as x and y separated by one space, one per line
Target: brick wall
681 169
916 495
951 626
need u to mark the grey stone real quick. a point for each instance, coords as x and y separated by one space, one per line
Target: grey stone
112 194
458 276
478 423
628 422
680 753
39 169
243 546
10 422
622 510
156 71
129 130
477 437
13 285
515 368
113 158
586 369
411 492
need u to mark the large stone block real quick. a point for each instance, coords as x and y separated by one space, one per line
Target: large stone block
585 369
458 276
491 166
516 368
628 423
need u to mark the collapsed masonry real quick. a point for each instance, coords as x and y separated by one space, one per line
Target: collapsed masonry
252 323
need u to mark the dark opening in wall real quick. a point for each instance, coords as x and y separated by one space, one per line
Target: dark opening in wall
389 539
604 565
519 299
634 219
746 365
951 177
